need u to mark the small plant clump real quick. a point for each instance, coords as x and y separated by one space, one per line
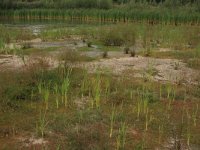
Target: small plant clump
126 50
105 54
26 45
89 44
133 53
147 53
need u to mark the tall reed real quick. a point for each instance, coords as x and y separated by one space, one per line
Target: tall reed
46 93
64 90
56 92
85 84
113 15
41 124
121 139
107 88
65 87
194 115
112 120
96 91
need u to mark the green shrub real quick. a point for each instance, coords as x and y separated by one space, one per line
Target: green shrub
105 4
26 45
118 35
2 44
113 39
102 4
105 54
72 56
198 6
133 53
9 35
126 50
89 44
172 3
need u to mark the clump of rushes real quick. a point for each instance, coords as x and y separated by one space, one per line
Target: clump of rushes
89 44
2 44
174 94
146 119
171 94
22 56
97 91
65 87
139 105
131 94
146 112
169 107
118 36
41 124
56 91
148 52
75 43
188 134
85 84
194 115
105 54
145 105
107 88
121 138
84 40
176 65
160 91
169 90
160 130
32 94
112 121
126 50
39 86
46 93
26 45
133 53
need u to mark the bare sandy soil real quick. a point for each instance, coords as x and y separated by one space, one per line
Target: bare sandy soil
118 63
16 63
157 69
145 67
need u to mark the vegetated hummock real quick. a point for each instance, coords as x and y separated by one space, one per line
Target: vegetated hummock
130 83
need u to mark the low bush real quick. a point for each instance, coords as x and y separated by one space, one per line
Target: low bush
72 56
118 35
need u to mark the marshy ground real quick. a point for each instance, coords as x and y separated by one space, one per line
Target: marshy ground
132 86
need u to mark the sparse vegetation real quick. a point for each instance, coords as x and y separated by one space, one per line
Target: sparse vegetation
68 97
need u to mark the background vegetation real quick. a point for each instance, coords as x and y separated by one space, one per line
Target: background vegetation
152 11
102 4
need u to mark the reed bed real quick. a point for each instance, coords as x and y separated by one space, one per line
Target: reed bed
164 16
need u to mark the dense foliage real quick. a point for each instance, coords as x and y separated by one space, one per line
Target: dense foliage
102 4
152 11
18 4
